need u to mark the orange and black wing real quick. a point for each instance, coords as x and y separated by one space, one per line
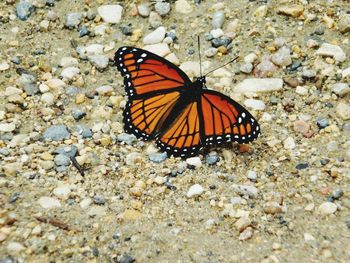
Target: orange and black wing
145 72
224 120
183 136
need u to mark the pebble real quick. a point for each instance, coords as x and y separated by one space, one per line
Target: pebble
162 8
49 202
4 66
27 82
24 10
252 175
308 74
85 203
133 158
48 98
221 41
62 191
343 111
68 62
242 223
110 13
330 50
301 90
261 11
158 157
256 85
217 33
69 73
84 131
265 68
62 160
282 57
289 143
322 122
99 200
78 114
327 208
68 150
155 20
160 49
211 52
246 234
83 31
272 208
126 138
105 90
99 61
344 23
183 7
143 10
246 68
218 20
341 89
56 133
155 37
332 146
7 127
13 247
194 162
301 126
194 191
212 158
254 104
249 190
250 58
302 166
55 84
73 20
291 10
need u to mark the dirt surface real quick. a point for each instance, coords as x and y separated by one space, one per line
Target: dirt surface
285 198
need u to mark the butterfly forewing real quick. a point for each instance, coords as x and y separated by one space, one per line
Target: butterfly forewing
145 72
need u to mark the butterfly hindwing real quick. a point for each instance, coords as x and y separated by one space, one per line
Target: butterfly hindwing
225 120
145 72
183 136
144 116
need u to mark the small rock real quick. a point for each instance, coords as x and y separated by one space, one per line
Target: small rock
272 208
24 9
162 8
261 11
211 52
99 61
7 127
221 41
13 247
27 82
254 104
183 7
249 190
343 111
155 37
133 158
155 19
48 98
291 10
194 162
332 146
73 20
329 50
68 150
252 175
327 208
243 223
344 23
157 157
250 58
126 259
218 20
160 49
78 114
212 158
302 166
99 200
127 138
265 68
195 190
70 72
110 13
104 90
301 90
282 57
62 191
216 33
144 11
62 160
85 203
49 202
322 122
341 89
259 85
246 68
301 126
4 66
85 132
56 133
246 234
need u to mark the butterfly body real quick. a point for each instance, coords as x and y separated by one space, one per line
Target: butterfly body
181 115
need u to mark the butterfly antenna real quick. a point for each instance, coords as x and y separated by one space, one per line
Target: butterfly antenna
222 65
199 52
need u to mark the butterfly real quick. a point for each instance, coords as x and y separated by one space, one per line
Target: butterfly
180 115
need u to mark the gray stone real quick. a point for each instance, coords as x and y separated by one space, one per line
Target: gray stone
282 57
24 9
162 8
157 157
78 114
69 150
4 151
56 133
27 82
344 23
341 89
143 10
62 160
127 138
249 190
99 61
85 132
218 19
73 20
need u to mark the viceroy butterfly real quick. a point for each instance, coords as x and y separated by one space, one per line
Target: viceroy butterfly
181 115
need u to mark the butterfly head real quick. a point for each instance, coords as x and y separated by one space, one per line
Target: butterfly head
201 81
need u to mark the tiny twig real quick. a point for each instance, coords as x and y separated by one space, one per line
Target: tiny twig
77 165
54 222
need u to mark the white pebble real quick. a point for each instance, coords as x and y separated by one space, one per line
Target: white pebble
327 208
194 161
62 191
289 143
301 90
85 203
70 72
195 190
49 202
329 50
217 32
155 37
14 247
48 98
255 104
104 90
7 127
183 7
259 85
110 13
250 58
160 49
